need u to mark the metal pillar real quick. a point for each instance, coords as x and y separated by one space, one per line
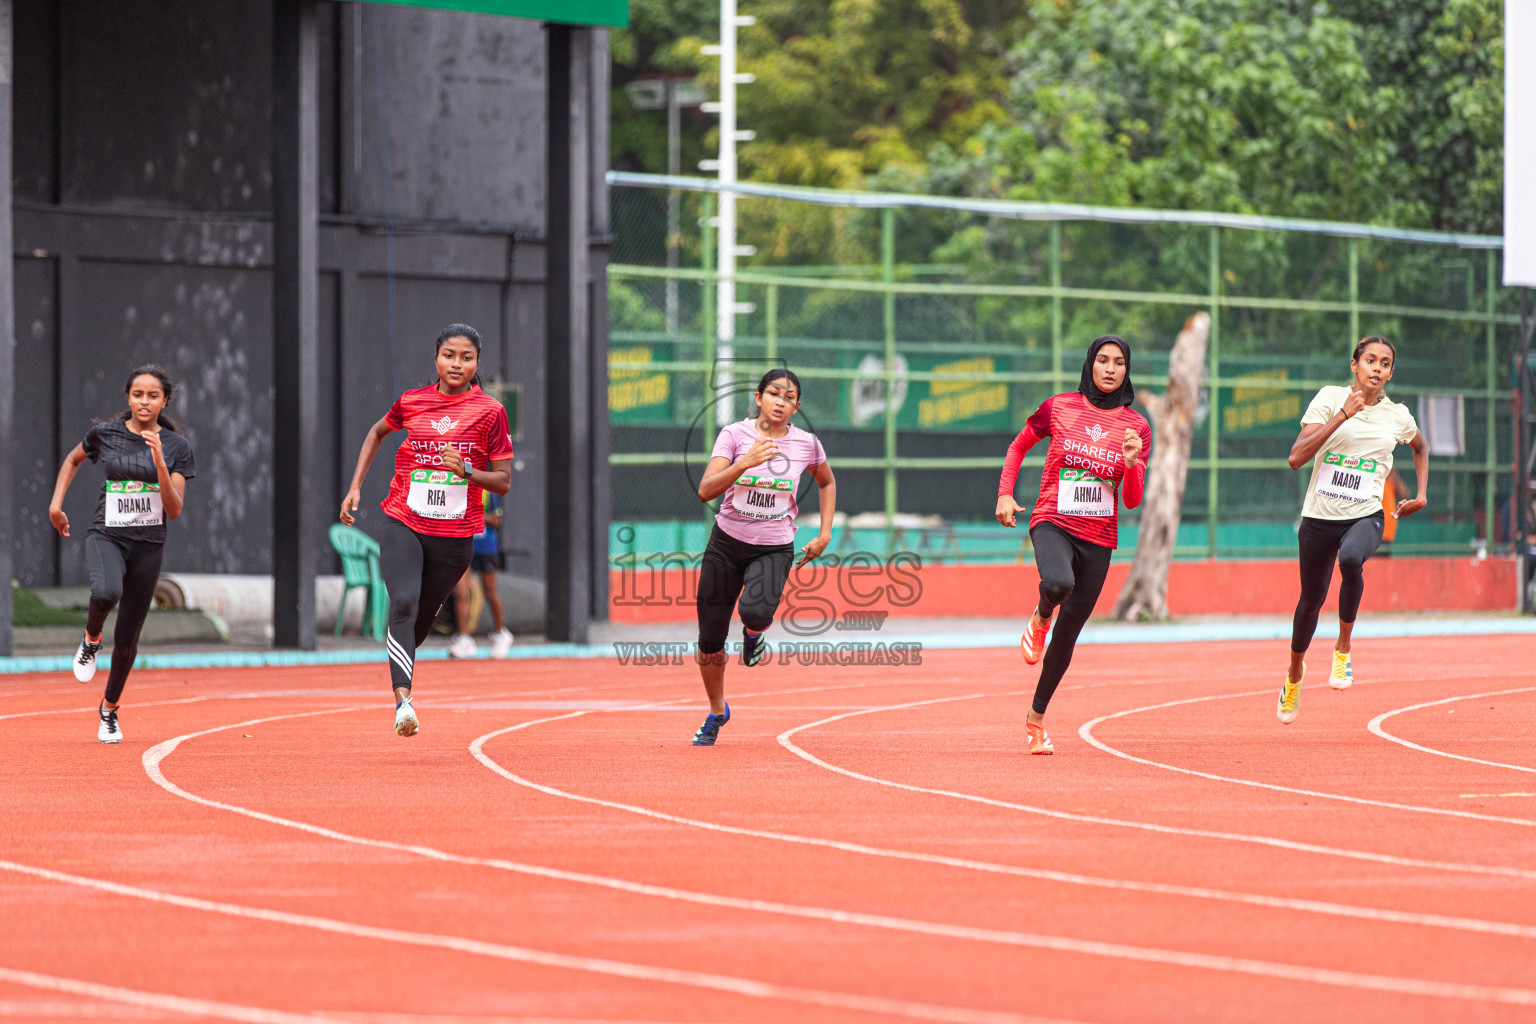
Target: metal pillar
1213 418
1525 454
599 241
888 301
7 334
568 407
295 318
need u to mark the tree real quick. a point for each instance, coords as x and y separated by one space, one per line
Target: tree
1145 594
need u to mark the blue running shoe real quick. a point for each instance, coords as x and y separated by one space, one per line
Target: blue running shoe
710 730
752 647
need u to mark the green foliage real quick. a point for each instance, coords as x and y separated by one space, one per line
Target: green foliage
28 610
1385 111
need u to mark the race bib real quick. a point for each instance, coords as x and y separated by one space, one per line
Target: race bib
762 497
134 503
438 494
1080 493
1347 478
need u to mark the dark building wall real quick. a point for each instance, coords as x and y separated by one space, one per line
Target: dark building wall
143 193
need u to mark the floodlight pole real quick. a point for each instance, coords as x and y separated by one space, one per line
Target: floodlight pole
726 306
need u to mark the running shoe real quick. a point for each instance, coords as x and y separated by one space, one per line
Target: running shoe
461 646
1343 675
107 731
710 730
85 661
1039 742
1290 697
406 722
752 647
1033 640
501 644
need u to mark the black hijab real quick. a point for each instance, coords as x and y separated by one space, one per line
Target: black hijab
1124 394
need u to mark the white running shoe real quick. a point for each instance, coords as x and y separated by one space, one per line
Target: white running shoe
107 731
1342 676
501 644
406 722
85 661
461 646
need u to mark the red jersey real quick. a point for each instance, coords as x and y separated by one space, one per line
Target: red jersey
424 495
1084 466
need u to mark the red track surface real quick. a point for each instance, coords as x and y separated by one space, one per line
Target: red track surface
864 844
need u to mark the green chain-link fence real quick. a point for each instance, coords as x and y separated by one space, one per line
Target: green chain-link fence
926 329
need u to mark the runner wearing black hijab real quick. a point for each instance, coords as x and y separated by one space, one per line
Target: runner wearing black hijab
1094 458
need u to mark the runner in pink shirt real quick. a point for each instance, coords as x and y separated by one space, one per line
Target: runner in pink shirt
755 470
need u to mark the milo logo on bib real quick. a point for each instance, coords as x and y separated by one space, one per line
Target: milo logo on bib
759 496
1080 493
1349 478
438 494
133 503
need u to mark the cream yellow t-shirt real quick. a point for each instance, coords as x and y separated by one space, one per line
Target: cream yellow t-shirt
1352 466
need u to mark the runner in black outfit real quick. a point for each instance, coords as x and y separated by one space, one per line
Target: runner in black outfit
147 466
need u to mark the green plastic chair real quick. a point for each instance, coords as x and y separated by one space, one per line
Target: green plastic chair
360 568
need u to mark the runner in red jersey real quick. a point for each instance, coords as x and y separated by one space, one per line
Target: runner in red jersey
456 445
1094 460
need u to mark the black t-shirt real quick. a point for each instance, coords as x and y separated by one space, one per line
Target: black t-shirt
127 460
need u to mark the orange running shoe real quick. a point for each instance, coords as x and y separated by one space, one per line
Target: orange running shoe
1033 640
1039 742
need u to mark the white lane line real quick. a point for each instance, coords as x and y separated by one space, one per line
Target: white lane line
1240 837
1408 986
1086 732
748 987
158 1000
81 711
1374 725
1469 924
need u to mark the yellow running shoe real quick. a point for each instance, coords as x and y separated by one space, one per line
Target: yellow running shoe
1039 742
1290 697
1343 674
1033 640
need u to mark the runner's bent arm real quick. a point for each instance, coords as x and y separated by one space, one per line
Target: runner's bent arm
371 444
1007 506
67 471
1408 506
720 474
172 485
827 495
1314 435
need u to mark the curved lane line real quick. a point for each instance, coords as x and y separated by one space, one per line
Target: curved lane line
592 965
160 1000
1241 837
1469 924
1121 951
1086 732
1374 725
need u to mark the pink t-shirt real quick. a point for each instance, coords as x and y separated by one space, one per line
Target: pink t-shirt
760 507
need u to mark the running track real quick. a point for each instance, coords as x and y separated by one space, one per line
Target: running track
864 844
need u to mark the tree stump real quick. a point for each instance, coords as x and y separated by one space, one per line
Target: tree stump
1145 594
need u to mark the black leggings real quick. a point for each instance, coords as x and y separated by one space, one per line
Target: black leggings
733 568
123 575
1072 573
1351 541
420 572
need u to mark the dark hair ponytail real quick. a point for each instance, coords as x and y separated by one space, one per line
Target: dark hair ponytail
780 373
157 372
469 334
1374 339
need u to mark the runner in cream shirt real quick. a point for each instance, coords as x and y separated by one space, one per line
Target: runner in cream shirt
1351 468
1349 435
